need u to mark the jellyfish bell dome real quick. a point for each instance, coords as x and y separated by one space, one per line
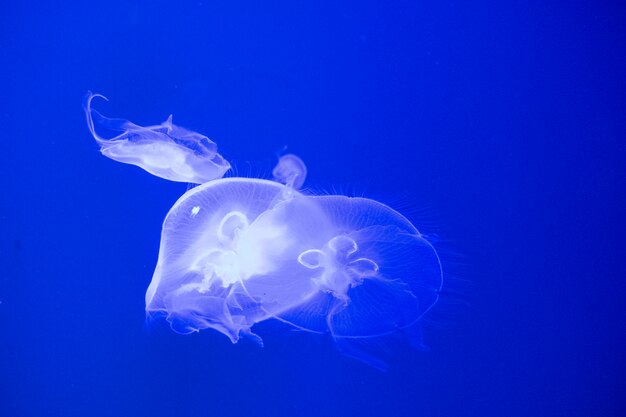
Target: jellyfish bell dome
376 276
229 255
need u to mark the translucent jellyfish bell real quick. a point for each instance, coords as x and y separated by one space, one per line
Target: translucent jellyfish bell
166 150
376 276
229 256
290 171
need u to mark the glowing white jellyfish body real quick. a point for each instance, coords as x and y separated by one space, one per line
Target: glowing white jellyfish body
166 150
229 256
376 277
290 171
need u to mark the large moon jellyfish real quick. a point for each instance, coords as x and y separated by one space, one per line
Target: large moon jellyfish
238 251
376 277
229 256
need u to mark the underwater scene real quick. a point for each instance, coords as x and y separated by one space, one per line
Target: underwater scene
312 208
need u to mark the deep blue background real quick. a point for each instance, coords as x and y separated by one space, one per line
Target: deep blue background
497 125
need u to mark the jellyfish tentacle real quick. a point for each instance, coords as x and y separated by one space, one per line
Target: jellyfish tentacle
88 113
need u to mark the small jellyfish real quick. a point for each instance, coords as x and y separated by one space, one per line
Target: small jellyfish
376 277
229 256
290 171
166 150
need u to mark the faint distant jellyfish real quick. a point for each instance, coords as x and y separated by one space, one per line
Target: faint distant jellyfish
166 150
229 256
290 171
376 277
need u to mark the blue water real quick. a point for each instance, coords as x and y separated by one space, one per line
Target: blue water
497 127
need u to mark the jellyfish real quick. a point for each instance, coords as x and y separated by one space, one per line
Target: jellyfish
166 150
290 171
238 251
229 256
376 277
